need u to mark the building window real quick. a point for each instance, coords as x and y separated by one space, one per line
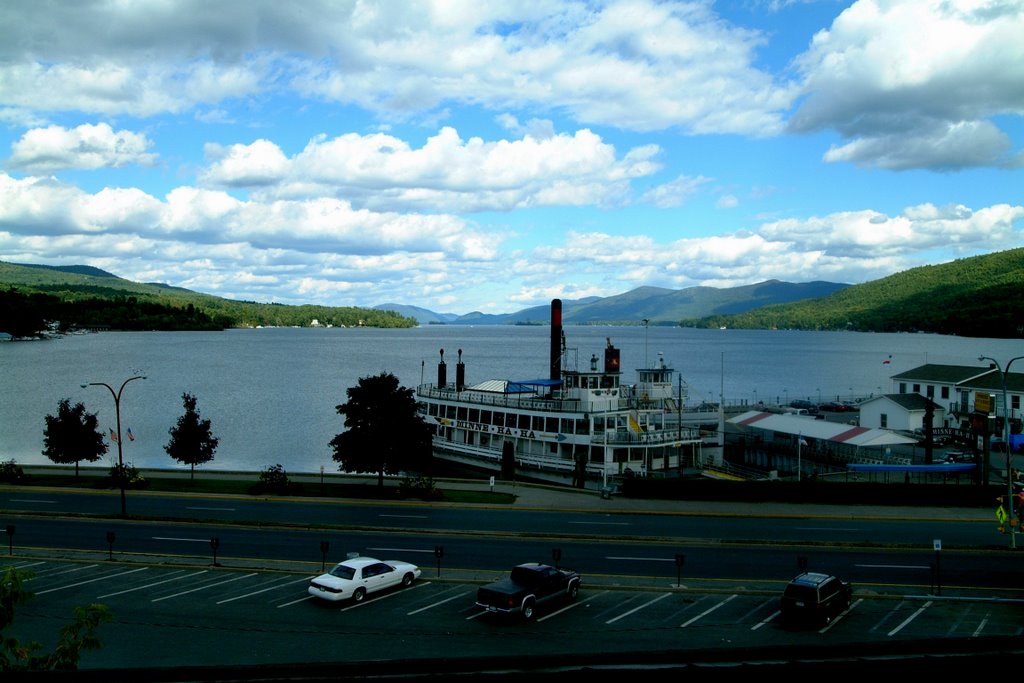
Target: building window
944 392
930 391
883 421
903 387
917 388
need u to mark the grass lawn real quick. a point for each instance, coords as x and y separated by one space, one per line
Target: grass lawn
227 486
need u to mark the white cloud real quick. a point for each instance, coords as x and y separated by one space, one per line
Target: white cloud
447 173
674 193
54 148
635 64
917 83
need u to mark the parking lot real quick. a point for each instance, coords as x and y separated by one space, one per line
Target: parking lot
166 616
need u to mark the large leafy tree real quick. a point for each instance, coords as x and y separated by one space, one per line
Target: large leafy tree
76 637
71 436
384 434
192 442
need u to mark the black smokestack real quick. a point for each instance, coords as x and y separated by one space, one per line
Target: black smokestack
460 374
442 372
556 339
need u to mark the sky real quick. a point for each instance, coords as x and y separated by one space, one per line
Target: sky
489 156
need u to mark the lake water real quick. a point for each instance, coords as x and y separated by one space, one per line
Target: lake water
271 393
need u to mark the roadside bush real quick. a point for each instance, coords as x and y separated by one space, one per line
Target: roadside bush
129 474
419 487
11 472
274 479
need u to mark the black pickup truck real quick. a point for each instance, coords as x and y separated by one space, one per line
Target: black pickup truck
526 587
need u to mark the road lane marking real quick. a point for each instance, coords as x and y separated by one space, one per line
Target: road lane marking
601 523
98 578
909 619
183 540
708 611
400 550
150 585
33 500
202 588
638 608
404 516
642 559
264 590
893 566
215 509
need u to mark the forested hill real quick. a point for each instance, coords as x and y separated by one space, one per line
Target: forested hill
89 297
971 297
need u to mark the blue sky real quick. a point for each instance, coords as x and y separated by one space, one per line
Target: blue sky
465 156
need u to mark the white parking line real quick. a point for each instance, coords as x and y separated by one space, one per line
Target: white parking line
381 597
981 626
202 588
909 619
438 604
274 587
708 611
638 608
839 617
295 602
62 570
98 578
765 621
150 585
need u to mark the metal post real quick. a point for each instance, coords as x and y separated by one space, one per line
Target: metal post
10 539
111 537
1006 440
120 453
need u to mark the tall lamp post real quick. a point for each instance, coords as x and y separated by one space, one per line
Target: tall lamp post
120 453
1006 437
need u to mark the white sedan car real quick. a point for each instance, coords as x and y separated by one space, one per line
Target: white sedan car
358 576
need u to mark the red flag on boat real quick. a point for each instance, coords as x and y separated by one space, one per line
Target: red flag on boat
888 360
113 436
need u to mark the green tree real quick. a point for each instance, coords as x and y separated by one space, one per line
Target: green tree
71 436
191 442
76 637
384 434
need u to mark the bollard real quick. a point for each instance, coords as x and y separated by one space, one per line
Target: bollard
215 543
439 553
10 539
110 544
324 547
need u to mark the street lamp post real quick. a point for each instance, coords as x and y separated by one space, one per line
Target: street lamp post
1006 437
117 412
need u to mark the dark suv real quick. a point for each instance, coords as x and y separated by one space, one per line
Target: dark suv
815 597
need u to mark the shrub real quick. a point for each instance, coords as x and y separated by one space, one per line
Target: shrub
11 472
419 487
274 479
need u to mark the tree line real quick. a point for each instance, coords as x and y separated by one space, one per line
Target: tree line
972 297
383 433
32 312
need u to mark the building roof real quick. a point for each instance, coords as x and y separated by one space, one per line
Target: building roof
946 374
820 429
907 401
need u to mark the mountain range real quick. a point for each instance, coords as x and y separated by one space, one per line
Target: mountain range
656 305
973 296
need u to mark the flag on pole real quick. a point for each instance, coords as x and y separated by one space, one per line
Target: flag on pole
113 436
131 437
